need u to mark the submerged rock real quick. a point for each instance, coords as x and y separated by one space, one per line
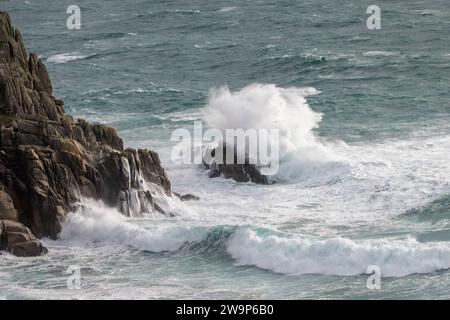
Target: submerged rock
50 161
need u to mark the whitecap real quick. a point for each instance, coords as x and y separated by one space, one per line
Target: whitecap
429 13
379 53
268 107
227 9
360 39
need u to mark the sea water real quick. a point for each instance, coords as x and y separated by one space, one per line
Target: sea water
364 175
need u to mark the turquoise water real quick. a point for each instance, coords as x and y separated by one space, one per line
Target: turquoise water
373 188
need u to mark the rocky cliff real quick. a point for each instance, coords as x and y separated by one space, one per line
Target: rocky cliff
50 161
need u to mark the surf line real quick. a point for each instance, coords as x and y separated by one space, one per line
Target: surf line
187 310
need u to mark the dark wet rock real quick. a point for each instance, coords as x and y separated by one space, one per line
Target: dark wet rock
245 172
187 197
50 161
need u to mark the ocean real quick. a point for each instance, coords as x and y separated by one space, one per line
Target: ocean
365 176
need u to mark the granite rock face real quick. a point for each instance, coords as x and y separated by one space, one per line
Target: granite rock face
50 161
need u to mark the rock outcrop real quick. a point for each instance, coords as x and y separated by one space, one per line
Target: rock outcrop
50 161
18 239
245 172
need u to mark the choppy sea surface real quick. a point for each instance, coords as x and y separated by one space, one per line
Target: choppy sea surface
365 180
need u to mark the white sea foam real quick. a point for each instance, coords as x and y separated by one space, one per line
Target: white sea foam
187 11
95 223
65 57
337 256
266 106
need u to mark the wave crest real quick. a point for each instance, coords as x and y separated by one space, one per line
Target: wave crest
65 57
337 256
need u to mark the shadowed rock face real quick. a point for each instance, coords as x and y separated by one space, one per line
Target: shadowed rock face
49 161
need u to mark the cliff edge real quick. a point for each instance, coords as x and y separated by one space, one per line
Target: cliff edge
50 161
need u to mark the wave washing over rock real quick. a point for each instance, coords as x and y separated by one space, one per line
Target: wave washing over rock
268 107
50 161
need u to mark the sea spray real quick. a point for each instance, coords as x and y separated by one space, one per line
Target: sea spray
260 106
268 107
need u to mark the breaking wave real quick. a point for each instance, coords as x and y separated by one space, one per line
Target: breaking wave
263 248
268 107
94 223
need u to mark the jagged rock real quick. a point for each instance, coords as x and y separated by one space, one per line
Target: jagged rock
30 248
245 172
18 239
49 161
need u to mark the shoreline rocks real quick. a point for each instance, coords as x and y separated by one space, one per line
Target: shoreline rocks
18 239
50 161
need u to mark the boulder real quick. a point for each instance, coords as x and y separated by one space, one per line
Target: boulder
18 239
